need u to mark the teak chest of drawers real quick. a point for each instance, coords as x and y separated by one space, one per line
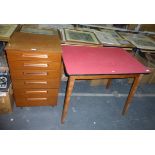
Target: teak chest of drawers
35 67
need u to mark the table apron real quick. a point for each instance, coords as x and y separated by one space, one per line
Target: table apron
115 76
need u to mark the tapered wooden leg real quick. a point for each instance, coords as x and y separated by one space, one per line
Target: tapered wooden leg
131 93
108 83
70 86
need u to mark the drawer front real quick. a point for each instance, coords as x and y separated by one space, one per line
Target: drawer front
19 55
35 93
36 101
34 74
52 83
34 65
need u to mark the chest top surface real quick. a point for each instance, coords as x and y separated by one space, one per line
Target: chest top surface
34 42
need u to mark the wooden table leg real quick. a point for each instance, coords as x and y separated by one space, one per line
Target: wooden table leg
70 86
108 83
131 93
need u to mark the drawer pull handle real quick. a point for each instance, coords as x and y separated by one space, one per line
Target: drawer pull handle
36 99
35 65
36 73
35 82
36 91
34 56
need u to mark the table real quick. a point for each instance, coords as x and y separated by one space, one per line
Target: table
83 62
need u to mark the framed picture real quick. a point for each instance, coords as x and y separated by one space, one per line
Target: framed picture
6 30
62 36
37 30
111 37
79 36
139 40
108 37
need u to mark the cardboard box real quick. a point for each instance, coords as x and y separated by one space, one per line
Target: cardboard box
98 82
6 101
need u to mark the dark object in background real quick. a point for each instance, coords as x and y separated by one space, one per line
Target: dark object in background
124 26
1 47
3 63
150 57
4 81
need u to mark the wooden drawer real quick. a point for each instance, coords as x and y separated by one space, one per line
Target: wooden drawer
36 101
35 93
34 74
34 65
46 83
14 55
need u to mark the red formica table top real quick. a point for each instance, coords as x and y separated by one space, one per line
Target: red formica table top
84 60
